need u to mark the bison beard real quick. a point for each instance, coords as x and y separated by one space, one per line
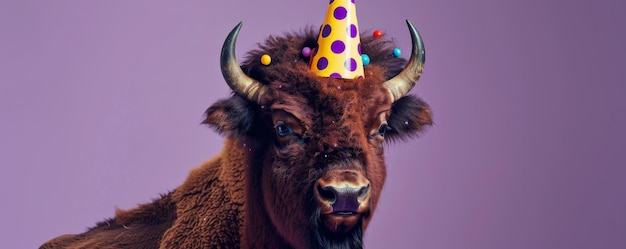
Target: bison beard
351 240
299 136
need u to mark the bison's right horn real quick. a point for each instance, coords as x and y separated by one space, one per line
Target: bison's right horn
236 79
402 83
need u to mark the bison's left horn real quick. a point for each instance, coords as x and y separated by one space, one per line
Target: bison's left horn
402 83
236 79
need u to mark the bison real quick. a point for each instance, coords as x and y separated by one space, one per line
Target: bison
302 165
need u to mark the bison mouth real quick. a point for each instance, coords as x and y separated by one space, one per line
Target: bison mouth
344 213
340 222
339 229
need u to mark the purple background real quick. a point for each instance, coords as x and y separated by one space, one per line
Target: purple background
100 105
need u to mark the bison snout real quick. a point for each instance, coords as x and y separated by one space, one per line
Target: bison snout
343 192
343 196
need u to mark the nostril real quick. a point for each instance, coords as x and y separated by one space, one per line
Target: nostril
364 192
327 193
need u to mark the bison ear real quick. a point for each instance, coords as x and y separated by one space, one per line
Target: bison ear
409 117
233 116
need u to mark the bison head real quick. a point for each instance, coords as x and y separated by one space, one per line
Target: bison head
315 145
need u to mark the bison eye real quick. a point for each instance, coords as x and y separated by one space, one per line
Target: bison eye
383 128
282 129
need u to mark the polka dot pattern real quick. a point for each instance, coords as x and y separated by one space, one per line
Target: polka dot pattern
340 13
326 30
353 31
338 54
350 64
338 47
322 63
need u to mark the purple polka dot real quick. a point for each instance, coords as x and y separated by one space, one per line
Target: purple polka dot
350 64
358 47
326 30
340 13
322 63
335 75
353 30
338 47
334 0
331 1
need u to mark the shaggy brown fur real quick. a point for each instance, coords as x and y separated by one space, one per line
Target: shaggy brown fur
257 193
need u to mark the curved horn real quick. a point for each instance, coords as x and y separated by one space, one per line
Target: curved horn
236 79
402 83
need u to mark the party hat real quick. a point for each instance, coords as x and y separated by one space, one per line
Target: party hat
338 52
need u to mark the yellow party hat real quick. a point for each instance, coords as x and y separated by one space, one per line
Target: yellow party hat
338 52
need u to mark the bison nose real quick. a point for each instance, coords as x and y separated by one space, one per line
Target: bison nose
343 200
343 192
